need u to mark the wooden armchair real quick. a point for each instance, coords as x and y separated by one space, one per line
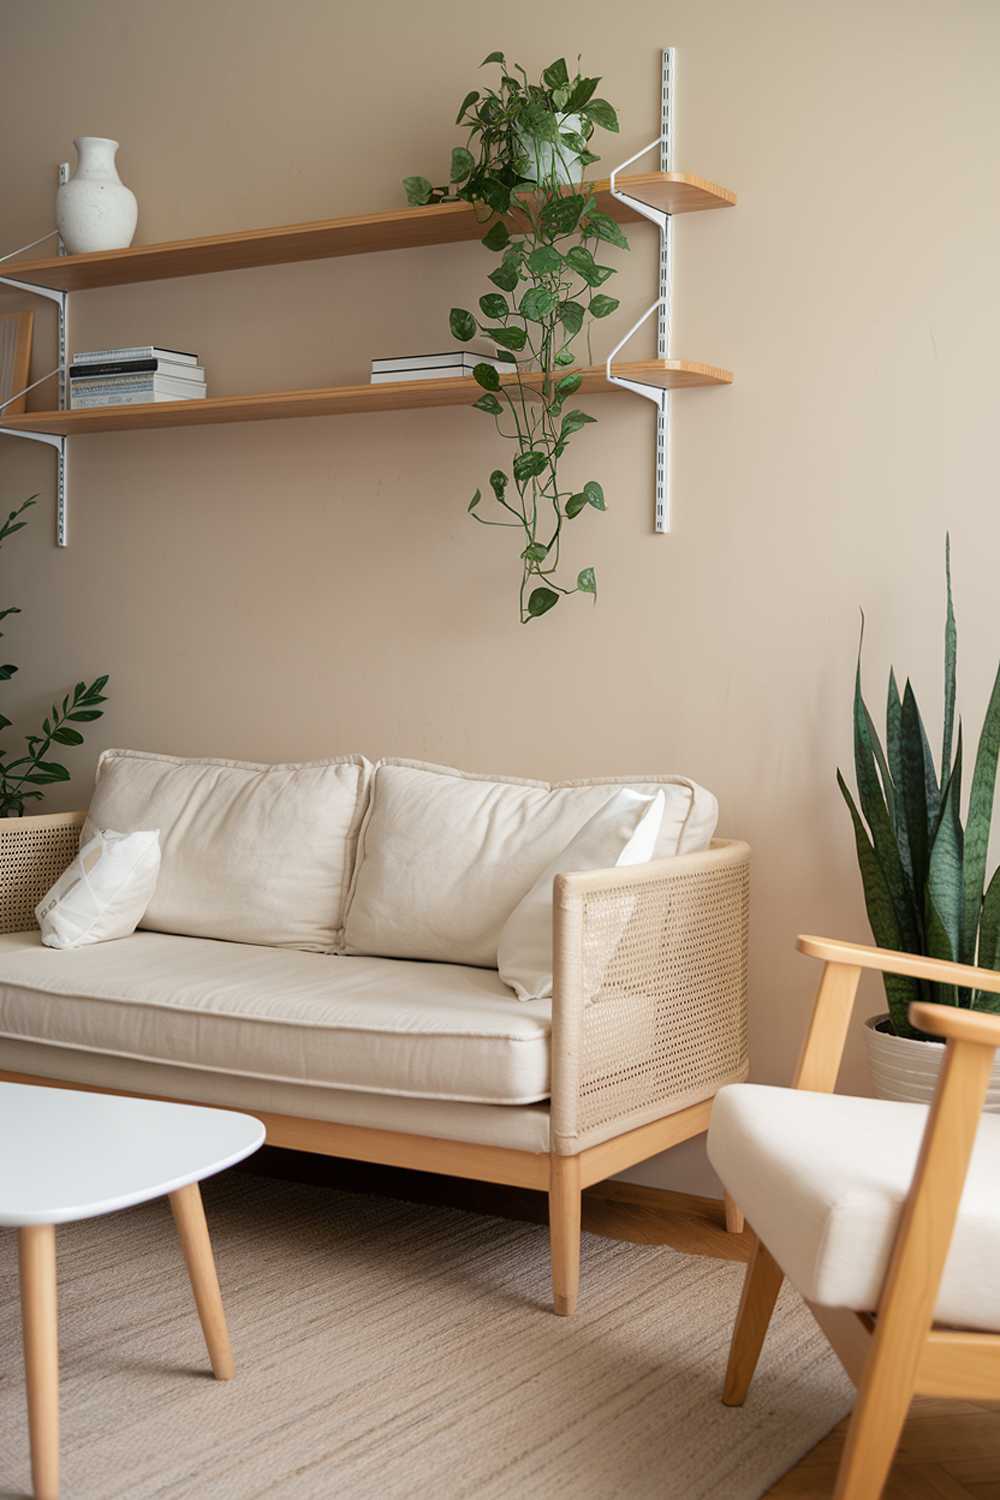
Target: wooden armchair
885 1216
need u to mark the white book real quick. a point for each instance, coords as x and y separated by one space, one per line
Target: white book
179 387
148 382
462 358
131 398
448 372
137 351
420 361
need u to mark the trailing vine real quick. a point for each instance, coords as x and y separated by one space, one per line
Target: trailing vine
526 148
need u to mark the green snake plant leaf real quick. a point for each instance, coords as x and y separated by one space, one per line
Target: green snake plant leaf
921 796
894 751
944 879
900 991
893 737
989 943
989 925
977 829
950 655
873 805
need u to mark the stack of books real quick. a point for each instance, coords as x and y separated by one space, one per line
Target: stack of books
133 377
459 364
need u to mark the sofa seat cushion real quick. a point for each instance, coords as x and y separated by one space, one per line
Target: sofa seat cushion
426 1031
822 1179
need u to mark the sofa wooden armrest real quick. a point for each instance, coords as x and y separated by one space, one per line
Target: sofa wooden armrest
34 852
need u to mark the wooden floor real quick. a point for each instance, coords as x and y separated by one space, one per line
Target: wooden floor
950 1450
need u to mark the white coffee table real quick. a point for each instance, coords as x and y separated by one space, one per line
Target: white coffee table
66 1155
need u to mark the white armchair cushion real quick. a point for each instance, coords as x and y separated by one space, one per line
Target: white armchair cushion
103 893
444 857
623 832
251 853
822 1179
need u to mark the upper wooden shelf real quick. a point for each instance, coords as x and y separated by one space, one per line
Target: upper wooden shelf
396 229
669 374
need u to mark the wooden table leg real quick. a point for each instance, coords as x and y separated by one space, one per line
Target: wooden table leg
189 1216
36 1245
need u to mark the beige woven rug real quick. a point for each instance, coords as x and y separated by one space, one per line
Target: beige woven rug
387 1350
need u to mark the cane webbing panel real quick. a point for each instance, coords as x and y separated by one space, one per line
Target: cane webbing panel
660 993
33 854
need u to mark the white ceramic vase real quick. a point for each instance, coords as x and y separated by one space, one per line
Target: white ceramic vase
95 210
906 1068
543 155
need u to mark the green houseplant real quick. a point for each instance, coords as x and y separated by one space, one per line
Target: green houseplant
923 870
526 146
22 776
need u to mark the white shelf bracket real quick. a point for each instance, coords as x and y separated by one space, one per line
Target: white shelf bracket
53 440
61 445
659 217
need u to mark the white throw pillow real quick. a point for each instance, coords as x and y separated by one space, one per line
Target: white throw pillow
623 832
103 893
251 853
444 856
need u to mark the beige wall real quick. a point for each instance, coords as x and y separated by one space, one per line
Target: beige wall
296 589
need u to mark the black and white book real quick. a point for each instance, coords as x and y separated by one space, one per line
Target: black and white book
95 369
456 364
138 351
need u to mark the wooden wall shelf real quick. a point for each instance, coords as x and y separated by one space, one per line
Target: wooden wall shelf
356 234
411 395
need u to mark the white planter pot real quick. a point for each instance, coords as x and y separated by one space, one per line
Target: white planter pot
95 210
906 1068
543 156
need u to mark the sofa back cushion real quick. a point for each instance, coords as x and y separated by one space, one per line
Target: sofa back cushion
444 857
250 853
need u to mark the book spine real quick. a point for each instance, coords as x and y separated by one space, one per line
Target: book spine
130 398
134 367
140 376
174 387
143 351
401 377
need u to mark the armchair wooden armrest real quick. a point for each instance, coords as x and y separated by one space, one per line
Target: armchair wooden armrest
843 963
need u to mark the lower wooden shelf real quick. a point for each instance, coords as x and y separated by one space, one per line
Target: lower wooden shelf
409 395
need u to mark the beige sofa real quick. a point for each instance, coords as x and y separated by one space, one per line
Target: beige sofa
294 964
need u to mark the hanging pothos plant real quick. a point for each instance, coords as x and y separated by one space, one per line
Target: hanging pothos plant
527 147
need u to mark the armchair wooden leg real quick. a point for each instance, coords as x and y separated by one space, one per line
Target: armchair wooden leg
36 1244
735 1222
189 1216
760 1292
564 1232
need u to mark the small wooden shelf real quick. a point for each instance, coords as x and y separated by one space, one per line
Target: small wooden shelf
410 395
356 234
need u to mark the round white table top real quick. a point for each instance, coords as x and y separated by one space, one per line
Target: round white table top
66 1155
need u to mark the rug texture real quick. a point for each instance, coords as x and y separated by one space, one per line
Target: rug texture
386 1349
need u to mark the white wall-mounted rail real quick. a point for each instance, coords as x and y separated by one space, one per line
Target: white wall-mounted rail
60 444
662 220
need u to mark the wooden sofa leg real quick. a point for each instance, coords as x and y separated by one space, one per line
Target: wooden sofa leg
760 1292
735 1222
564 1232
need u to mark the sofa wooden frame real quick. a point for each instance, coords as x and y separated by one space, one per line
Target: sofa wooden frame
898 1352
637 1057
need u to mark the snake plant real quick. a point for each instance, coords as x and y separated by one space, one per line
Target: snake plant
923 872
